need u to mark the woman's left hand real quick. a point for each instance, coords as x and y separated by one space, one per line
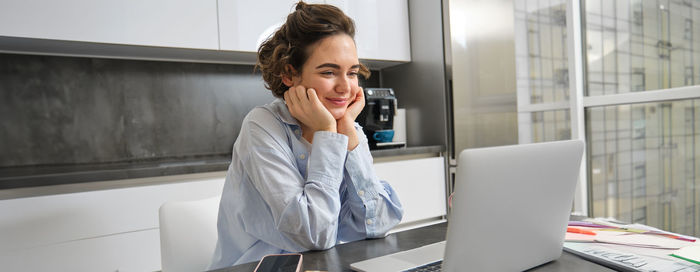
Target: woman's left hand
346 124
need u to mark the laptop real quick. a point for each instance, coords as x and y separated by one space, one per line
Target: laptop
510 209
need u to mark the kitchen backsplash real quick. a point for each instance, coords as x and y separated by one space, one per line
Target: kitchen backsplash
66 110
69 110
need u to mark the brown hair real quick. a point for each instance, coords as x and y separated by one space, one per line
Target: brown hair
305 26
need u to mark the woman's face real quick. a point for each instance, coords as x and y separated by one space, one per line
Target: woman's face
332 70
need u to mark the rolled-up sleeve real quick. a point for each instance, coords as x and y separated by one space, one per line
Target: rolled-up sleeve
372 207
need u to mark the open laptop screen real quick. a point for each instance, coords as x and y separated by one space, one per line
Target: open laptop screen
510 210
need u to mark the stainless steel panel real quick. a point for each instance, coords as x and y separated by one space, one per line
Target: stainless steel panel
482 62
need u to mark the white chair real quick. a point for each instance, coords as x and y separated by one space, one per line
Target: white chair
188 234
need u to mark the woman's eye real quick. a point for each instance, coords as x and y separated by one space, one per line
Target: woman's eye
327 73
353 74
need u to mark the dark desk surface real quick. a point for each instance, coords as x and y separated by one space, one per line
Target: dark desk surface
340 257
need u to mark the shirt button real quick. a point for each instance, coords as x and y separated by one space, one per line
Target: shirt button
302 156
360 193
369 221
297 132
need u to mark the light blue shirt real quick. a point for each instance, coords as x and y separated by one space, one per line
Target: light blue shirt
283 194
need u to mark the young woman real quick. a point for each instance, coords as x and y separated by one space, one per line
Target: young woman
301 175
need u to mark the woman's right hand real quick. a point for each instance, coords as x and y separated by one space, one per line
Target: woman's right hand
305 106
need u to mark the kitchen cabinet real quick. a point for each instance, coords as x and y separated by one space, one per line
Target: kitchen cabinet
381 26
117 229
217 31
162 23
420 186
102 230
244 25
382 29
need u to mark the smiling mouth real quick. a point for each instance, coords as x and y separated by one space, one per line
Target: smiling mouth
338 101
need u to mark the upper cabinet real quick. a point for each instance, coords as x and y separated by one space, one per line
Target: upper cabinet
245 24
381 26
180 24
230 31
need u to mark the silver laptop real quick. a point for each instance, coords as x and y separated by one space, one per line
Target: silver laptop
510 210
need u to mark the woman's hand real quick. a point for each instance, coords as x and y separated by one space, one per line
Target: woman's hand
305 106
346 124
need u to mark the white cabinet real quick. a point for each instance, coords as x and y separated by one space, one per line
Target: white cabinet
105 230
117 229
181 24
382 31
243 24
420 185
229 31
129 251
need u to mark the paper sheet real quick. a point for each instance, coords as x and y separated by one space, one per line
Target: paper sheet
689 253
640 259
626 245
626 238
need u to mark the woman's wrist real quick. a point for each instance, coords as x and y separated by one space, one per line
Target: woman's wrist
347 128
329 129
308 132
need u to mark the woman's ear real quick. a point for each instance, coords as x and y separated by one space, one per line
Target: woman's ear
289 75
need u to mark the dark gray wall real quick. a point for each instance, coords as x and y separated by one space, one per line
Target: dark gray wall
69 119
420 85
64 110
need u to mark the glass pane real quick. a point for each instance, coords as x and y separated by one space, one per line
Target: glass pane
644 165
541 56
641 45
547 125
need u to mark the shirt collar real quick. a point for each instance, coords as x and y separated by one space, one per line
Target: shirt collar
279 108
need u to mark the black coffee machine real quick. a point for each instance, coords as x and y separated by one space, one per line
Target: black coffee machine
377 118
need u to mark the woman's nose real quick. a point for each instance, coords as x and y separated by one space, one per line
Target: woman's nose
343 84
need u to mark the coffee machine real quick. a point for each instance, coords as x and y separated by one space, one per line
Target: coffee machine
377 118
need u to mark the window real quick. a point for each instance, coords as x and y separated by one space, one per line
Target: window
643 163
625 81
542 71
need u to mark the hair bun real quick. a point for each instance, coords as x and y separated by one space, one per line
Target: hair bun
300 5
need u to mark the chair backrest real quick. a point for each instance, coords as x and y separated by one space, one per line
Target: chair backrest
188 234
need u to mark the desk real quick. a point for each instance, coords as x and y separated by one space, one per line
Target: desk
340 257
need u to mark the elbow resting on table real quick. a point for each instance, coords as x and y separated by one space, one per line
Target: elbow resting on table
317 241
312 233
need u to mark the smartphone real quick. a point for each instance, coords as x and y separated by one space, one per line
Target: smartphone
280 262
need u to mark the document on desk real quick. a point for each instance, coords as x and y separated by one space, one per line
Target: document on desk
628 239
631 258
634 247
689 253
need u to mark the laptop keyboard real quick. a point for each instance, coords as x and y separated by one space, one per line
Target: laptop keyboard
434 266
